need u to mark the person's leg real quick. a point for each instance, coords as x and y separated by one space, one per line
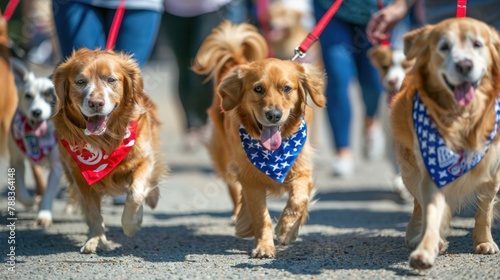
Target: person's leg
371 89
137 33
202 92
78 25
179 38
337 49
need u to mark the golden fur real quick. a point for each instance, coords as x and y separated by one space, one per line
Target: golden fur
438 51
138 174
8 92
234 55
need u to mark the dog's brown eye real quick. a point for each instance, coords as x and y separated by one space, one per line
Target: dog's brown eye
476 44
111 79
287 89
80 82
258 89
444 47
385 67
28 96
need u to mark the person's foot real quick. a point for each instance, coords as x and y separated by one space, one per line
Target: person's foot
343 166
374 146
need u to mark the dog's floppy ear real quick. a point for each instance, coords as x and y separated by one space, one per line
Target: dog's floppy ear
312 83
61 86
416 41
134 82
230 90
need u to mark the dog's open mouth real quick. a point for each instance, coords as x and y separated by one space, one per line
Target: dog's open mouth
270 136
39 128
464 92
96 124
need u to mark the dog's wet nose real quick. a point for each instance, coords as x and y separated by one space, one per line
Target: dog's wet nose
464 66
273 115
96 104
36 113
392 82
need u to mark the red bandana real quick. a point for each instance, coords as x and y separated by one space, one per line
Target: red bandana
33 146
94 163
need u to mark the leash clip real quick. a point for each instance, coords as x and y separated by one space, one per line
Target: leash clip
298 54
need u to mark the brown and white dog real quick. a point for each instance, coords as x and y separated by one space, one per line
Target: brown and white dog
259 111
108 130
392 66
445 127
33 139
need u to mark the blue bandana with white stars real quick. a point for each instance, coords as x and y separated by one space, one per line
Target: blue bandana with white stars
443 164
275 164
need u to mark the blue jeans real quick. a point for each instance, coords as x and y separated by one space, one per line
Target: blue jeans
79 25
344 48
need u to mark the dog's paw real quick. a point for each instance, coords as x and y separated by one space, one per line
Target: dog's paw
487 248
264 251
153 197
132 223
43 219
443 246
286 234
93 243
422 259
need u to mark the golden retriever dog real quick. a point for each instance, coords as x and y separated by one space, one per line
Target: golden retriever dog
108 130
259 113
8 92
445 128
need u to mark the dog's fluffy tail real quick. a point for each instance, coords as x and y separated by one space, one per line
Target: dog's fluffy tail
227 46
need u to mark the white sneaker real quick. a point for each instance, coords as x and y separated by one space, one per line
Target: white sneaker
343 166
374 147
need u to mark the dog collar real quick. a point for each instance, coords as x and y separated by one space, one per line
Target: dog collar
443 164
275 164
94 163
34 147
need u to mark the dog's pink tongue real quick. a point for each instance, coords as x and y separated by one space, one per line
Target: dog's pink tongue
40 129
464 93
270 137
96 124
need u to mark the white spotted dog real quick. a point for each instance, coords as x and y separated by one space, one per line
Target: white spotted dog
392 65
33 138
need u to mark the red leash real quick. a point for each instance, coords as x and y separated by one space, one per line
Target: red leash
9 10
313 36
461 8
115 25
386 42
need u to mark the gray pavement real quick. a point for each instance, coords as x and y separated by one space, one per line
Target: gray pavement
355 229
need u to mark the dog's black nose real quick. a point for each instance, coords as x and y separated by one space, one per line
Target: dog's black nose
464 66
96 104
36 113
273 115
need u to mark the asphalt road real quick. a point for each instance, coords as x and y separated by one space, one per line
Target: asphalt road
355 229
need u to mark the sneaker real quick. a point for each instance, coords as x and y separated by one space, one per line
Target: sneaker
374 147
343 166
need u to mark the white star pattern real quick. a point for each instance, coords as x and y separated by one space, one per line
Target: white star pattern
275 164
444 165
